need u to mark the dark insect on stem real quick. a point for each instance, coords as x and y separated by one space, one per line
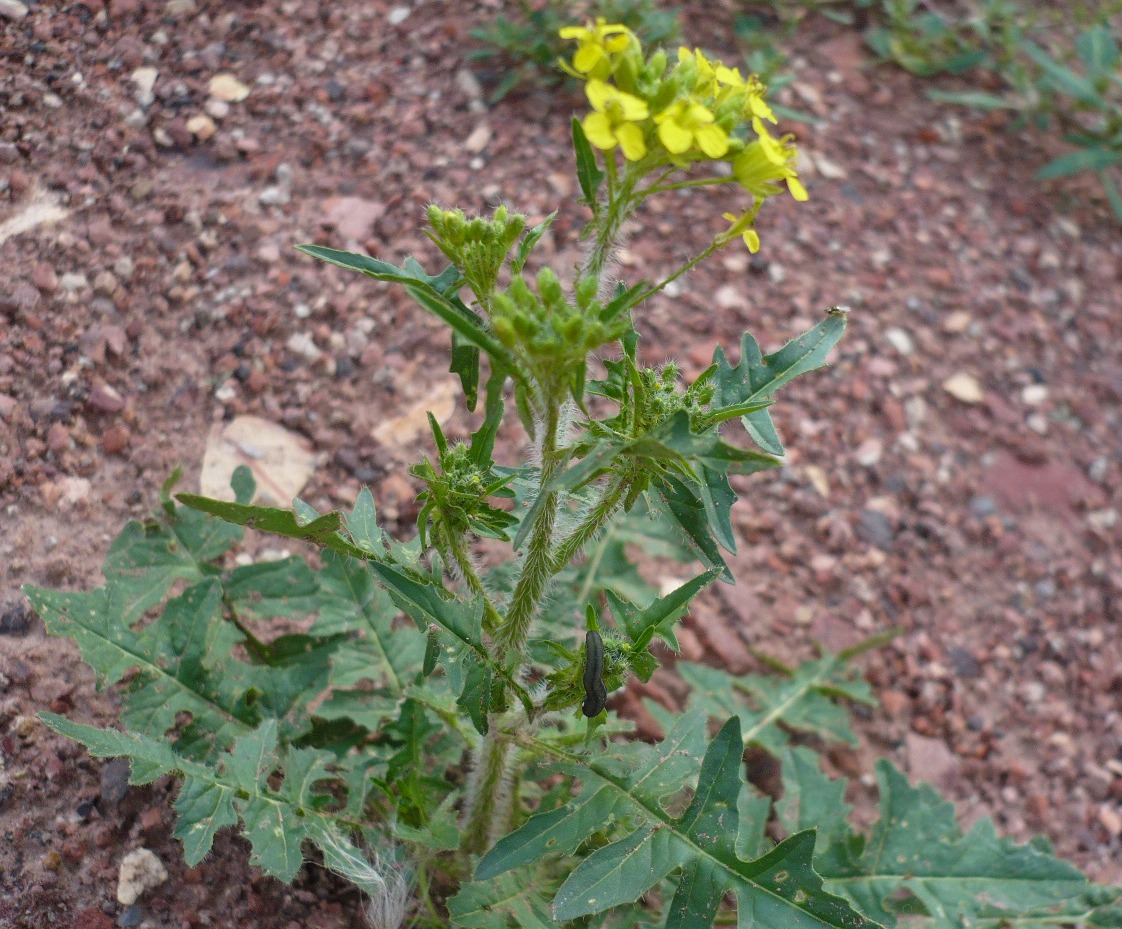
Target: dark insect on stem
595 693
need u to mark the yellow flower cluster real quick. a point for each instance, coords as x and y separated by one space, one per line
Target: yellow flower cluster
697 109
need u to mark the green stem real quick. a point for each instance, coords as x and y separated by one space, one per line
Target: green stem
621 204
591 524
658 188
488 798
458 550
537 569
716 245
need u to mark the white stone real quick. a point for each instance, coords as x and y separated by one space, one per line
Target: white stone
274 196
302 344
1034 394
398 15
227 88
402 430
140 870
964 387
900 340
869 453
727 297
478 139
830 170
12 9
145 80
281 461
1103 519
201 126
956 322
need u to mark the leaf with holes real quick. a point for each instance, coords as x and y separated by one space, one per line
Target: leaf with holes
916 861
235 788
803 701
704 844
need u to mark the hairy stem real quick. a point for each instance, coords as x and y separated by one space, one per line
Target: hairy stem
621 204
537 569
488 801
458 550
593 521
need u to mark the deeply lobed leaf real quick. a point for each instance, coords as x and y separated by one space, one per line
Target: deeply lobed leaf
232 788
767 706
778 888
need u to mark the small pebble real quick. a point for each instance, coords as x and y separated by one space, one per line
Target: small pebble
982 507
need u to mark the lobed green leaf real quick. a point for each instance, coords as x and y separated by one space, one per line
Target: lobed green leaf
235 787
756 377
767 706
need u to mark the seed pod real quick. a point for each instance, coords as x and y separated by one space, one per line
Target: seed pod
595 693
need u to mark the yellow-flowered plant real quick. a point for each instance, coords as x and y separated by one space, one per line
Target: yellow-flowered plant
443 731
666 119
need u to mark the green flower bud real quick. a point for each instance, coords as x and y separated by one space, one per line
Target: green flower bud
504 331
586 292
571 329
549 287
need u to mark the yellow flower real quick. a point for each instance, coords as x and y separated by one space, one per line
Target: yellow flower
614 120
729 76
598 41
706 74
766 162
756 106
686 123
742 226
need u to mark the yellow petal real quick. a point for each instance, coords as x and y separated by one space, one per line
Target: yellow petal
698 115
603 27
752 240
768 145
587 57
712 140
598 94
617 44
797 190
674 137
760 109
575 32
728 75
633 108
631 141
598 129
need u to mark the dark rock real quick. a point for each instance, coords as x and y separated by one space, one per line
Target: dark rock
115 781
964 664
132 916
982 507
875 529
15 619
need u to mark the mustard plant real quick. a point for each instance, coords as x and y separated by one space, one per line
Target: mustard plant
442 731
